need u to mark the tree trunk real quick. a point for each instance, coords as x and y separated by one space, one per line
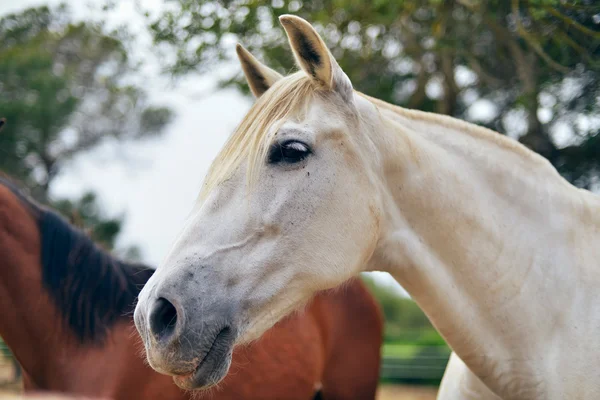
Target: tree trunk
49 164
419 95
448 104
536 137
445 60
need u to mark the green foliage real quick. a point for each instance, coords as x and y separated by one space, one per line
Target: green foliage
64 89
524 56
4 351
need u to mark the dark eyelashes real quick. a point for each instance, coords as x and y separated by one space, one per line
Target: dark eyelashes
289 152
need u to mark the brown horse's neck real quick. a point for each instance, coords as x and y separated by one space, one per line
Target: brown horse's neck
30 324
113 369
30 327
56 361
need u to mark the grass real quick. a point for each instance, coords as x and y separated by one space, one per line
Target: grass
400 350
404 350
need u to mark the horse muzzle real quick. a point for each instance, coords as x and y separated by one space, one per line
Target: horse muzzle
180 342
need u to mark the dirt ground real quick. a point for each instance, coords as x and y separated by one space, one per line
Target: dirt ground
406 392
6 370
385 392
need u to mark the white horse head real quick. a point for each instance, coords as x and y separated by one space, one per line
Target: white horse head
289 207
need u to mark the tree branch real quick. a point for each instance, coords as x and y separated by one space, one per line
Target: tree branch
481 72
572 23
578 48
533 43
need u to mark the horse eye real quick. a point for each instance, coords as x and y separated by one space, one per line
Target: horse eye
290 152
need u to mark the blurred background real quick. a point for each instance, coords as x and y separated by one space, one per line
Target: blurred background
115 109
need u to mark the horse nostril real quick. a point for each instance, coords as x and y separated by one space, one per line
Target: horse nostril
163 319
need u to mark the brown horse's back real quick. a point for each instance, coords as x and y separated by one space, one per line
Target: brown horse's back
353 326
287 361
335 341
46 396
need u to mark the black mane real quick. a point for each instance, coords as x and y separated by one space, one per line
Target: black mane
90 287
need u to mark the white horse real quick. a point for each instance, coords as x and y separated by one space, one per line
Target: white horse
320 182
460 383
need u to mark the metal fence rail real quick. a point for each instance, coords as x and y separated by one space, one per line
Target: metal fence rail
419 368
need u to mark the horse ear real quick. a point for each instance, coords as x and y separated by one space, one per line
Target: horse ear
314 57
260 77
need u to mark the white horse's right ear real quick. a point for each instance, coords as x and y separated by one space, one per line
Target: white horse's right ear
259 77
314 57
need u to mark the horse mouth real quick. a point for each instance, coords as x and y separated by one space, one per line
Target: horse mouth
213 366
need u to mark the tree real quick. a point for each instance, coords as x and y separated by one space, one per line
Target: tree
536 61
63 90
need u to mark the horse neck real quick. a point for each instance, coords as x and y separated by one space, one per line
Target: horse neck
28 324
29 328
54 359
50 354
490 241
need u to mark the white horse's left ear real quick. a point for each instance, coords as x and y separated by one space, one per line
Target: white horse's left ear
260 77
314 57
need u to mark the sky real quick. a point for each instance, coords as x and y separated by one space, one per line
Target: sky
154 183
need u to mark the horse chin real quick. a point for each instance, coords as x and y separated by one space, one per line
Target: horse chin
208 373
214 365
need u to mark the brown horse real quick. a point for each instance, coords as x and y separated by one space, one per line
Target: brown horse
66 315
45 396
